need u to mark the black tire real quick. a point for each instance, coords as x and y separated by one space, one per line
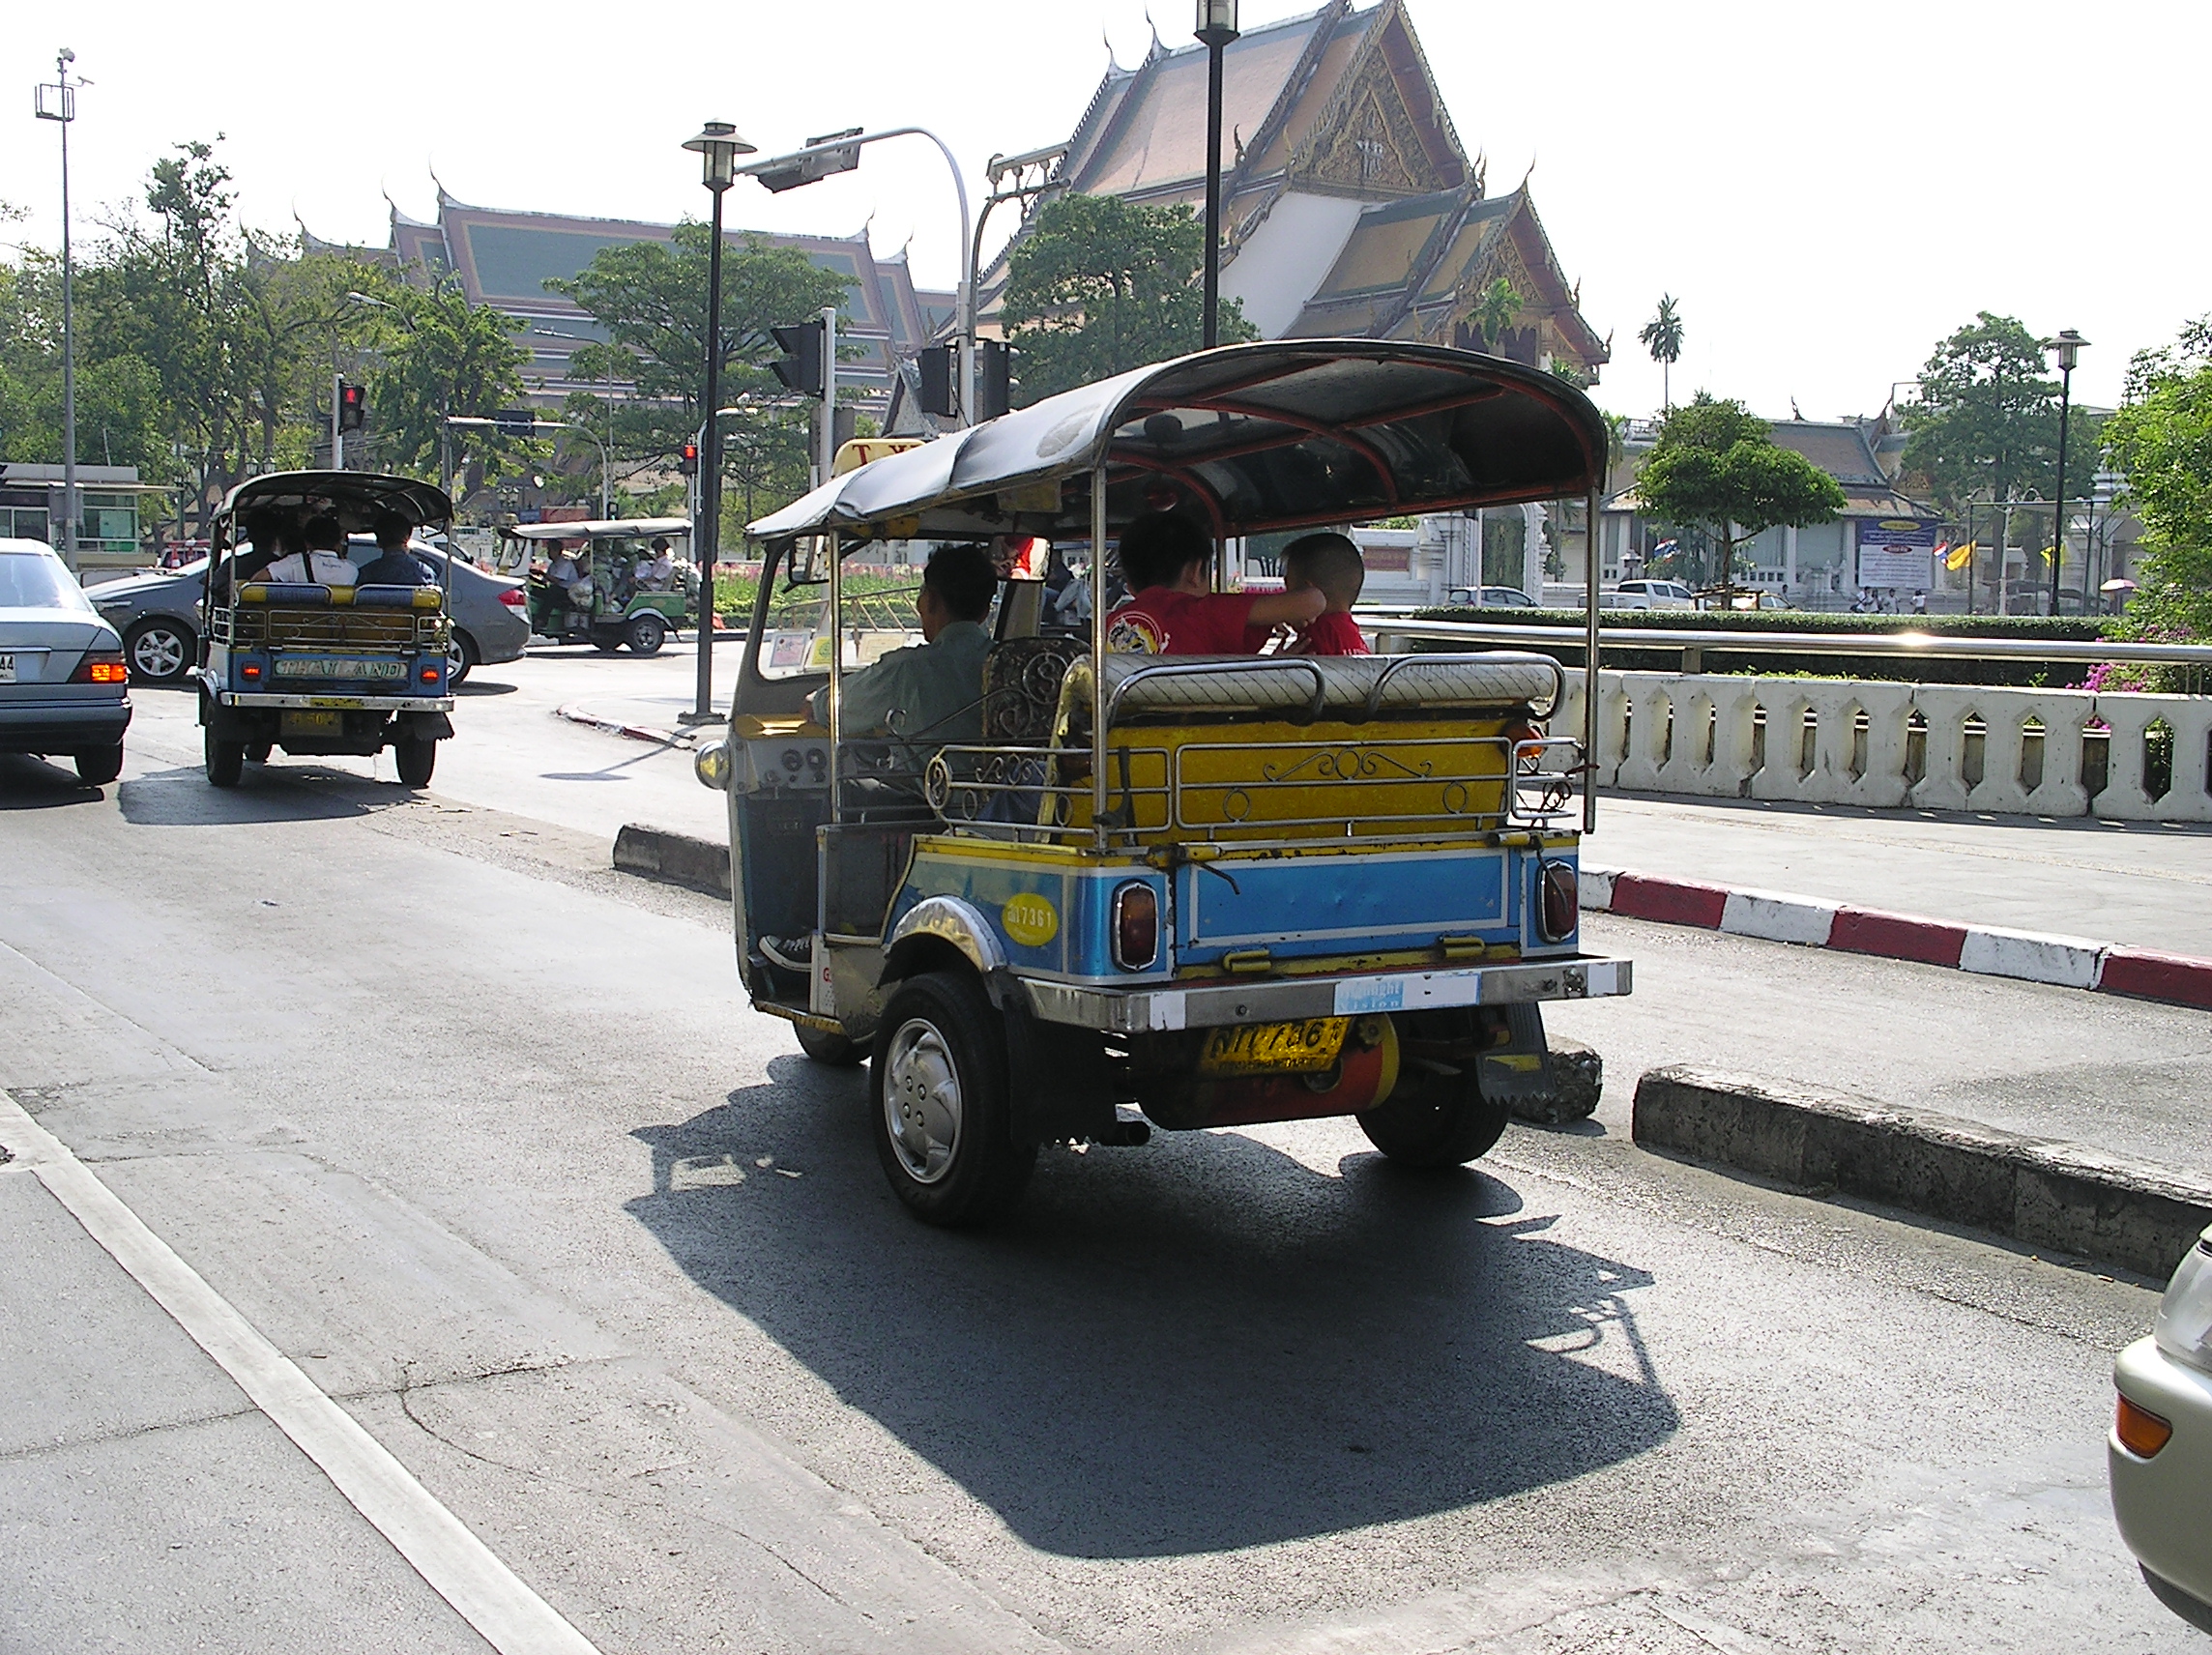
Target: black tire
461 658
1435 1120
834 1050
259 751
647 633
937 1097
225 759
416 756
97 767
161 650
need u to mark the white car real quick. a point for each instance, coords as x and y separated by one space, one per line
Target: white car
2161 1447
1660 593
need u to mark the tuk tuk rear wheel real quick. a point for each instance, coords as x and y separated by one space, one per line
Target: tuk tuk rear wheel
647 633
416 757
834 1050
1440 1121
939 1094
225 759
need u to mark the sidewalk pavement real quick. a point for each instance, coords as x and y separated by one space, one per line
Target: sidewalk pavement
2138 885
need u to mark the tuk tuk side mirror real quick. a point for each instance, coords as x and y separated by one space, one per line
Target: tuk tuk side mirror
807 566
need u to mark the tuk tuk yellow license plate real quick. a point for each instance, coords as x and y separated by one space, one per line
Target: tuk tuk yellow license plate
311 723
1273 1048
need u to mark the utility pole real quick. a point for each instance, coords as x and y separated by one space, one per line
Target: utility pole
62 108
1216 28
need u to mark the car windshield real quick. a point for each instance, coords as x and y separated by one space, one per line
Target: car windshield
30 580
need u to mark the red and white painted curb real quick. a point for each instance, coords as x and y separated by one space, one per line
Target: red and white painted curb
575 715
1990 950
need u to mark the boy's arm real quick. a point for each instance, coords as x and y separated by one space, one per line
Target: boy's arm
1295 607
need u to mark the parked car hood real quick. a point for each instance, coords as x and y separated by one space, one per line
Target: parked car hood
138 586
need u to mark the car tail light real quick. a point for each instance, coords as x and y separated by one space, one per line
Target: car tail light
1136 926
1559 906
2142 1433
512 598
101 667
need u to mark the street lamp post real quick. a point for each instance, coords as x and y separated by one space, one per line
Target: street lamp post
788 172
718 147
1216 27
62 108
2068 345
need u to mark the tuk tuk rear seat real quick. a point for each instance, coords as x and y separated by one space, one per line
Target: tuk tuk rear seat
315 594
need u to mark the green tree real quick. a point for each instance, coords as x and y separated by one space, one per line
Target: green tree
1100 285
1662 336
651 299
2160 438
1715 468
1986 419
439 355
1495 311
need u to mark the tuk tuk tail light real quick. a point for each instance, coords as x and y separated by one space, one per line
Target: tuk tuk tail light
429 673
1559 904
1136 926
2142 1433
251 672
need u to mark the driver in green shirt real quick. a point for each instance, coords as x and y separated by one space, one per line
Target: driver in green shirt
933 691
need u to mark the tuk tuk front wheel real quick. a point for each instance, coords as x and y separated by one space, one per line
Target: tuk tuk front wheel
225 759
1440 1121
937 1088
647 633
834 1050
416 756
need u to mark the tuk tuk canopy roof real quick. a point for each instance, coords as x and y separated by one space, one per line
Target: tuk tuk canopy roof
353 497
597 527
1282 435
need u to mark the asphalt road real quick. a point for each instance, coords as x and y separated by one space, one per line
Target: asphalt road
477 1135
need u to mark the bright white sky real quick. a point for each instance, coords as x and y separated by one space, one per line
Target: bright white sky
1827 189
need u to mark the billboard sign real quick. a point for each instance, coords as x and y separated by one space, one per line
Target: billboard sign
1898 553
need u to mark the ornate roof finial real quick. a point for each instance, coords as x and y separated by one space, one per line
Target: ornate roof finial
1481 174
1156 49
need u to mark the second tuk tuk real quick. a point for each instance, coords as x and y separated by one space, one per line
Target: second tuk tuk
1172 891
301 655
611 597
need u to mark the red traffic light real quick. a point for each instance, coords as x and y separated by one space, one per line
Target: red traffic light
687 459
353 406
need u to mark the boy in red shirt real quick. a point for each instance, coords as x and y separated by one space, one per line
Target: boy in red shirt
1176 612
1330 565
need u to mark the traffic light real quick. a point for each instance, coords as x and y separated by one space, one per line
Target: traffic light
353 406
994 378
936 364
516 422
800 365
687 459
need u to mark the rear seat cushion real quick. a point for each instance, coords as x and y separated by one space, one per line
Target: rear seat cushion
1346 684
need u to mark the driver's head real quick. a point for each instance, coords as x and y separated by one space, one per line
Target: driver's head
325 534
661 545
1157 548
391 531
958 585
258 530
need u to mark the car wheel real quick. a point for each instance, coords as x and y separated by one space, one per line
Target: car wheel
461 658
159 650
938 1096
97 767
647 633
225 759
832 1050
1437 1120
416 757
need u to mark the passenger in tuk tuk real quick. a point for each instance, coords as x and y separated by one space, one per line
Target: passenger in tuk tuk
1174 610
394 564
323 563
658 574
934 687
1330 565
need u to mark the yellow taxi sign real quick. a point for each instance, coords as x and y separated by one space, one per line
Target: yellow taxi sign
857 451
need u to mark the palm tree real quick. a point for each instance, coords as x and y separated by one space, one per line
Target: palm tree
1663 337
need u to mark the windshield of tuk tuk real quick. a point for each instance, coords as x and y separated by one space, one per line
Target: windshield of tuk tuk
878 603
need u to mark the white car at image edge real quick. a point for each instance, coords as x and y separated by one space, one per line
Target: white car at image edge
2161 1444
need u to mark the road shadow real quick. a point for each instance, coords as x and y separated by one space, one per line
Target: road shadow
27 783
478 686
1199 1345
181 798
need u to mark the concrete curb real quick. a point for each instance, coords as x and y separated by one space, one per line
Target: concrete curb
2066 1197
575 715
1988 950
677 859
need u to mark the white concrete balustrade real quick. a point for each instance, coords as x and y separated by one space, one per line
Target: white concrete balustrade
2039 753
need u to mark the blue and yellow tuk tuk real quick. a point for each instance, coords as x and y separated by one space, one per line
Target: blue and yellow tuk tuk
1170 892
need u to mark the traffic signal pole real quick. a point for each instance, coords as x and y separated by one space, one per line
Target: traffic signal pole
828 449
707 527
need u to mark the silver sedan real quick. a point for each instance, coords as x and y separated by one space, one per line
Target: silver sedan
2160 1449
63 685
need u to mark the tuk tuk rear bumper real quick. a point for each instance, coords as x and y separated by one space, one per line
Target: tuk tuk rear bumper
1145 1010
